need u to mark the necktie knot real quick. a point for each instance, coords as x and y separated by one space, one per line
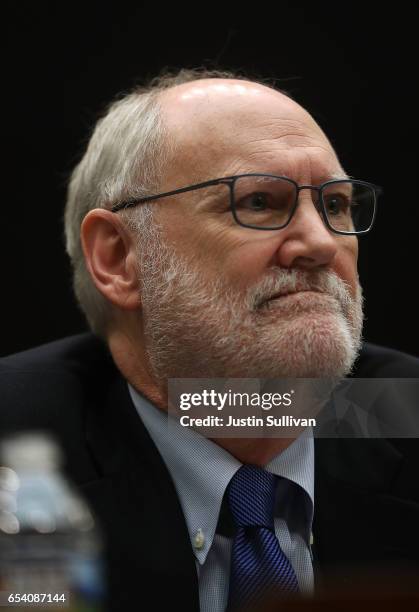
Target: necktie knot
251 496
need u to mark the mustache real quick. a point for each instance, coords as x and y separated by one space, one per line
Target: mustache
283 282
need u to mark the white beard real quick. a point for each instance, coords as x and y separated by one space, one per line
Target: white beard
206 329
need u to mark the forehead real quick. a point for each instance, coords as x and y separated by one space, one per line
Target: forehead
219 127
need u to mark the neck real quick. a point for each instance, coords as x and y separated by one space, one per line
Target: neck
131 360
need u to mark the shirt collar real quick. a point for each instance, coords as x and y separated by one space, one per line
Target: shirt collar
201 470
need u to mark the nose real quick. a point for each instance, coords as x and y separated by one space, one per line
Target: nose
306 241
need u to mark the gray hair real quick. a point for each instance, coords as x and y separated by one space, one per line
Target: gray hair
125 158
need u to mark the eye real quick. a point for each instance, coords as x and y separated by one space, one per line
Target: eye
255 202
337 205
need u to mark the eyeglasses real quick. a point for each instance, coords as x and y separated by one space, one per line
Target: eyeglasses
268 202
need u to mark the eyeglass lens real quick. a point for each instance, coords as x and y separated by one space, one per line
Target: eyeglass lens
262 202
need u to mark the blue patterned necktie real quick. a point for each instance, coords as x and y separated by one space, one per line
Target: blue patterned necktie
258 564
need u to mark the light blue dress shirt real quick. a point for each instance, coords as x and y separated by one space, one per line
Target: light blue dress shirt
201 471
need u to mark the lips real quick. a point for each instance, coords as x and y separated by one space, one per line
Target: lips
319 299
283 294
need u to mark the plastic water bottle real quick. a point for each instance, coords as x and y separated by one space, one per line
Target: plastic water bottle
50 547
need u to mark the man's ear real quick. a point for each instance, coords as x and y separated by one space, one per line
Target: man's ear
110 258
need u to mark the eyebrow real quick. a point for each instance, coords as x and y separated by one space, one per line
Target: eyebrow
340 176
324 176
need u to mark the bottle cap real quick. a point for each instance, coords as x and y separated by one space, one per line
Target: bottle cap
31 450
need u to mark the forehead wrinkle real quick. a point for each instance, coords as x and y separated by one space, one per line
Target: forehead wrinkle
279 162
225 162
280 126
256 134
206 148
219 148
269 162
239 122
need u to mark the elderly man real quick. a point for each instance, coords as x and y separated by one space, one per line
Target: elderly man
213 233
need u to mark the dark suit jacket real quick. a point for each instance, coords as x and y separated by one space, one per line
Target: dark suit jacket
366 491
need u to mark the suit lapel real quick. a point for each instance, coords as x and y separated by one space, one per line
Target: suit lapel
135 499
362 513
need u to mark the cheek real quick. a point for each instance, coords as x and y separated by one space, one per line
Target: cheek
248 257
345 264
200 245
232 252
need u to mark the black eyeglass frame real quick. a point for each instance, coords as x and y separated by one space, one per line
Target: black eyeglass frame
231 180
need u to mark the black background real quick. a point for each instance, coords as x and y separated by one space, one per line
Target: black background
353 66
